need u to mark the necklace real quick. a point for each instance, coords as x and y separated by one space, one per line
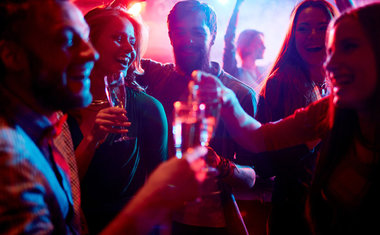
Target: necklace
99 102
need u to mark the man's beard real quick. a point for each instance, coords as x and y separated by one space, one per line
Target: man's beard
189 64
50 88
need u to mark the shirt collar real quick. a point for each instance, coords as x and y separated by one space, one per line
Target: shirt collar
35 125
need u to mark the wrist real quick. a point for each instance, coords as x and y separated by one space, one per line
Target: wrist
226 168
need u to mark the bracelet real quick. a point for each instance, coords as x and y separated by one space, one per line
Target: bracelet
225 167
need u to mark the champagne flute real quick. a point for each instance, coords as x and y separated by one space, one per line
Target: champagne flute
116 95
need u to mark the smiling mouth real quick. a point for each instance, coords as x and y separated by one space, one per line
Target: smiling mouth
123 62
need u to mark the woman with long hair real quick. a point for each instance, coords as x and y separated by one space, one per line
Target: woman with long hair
296 79
345 195
343 198
112 172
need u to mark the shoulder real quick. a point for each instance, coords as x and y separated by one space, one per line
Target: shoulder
238 87
148 64
150 105
12 138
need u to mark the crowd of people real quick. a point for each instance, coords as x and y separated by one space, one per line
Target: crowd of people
314 129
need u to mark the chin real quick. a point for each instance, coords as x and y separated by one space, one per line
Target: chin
341 102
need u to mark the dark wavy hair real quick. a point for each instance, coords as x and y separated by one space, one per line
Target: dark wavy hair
345 129
99 17
184 8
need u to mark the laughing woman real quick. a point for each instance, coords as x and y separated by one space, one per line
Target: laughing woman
112 171
296 80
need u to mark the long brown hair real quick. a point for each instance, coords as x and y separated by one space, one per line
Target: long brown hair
341 138
99 17
290 73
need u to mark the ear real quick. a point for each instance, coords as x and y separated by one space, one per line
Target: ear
12 55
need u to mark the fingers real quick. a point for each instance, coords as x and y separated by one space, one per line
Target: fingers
195 157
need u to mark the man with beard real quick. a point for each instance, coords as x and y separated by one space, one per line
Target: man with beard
45 62
192 32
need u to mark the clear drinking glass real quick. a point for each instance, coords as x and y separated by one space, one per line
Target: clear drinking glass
116 95
185 127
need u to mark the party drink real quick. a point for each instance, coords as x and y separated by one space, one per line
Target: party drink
207 127
186 133
116 94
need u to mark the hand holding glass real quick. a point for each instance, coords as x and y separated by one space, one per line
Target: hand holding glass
116 95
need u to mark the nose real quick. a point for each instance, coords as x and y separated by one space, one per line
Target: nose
88 52
331 62
128 47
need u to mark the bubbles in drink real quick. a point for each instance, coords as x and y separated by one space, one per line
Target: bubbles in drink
207 127
116 94
186 134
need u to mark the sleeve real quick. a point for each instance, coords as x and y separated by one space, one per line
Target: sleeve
229 54
23 207
306 124
248 103
271 95
155 133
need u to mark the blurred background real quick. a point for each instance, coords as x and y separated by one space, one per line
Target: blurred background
268 16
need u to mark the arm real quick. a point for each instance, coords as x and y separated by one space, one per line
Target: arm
172 184
304 125
155 133
23 189
229 55
344 5
107 120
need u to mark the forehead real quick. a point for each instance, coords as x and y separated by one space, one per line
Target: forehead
55 16
347 28
312 15
192 20
120 24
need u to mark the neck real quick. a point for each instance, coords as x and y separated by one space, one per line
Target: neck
249 64
317 74
97 85
367 123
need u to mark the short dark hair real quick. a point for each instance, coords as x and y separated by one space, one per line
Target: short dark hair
184 8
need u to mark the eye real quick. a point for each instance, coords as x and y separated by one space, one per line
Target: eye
66 39
118 38
322 28
178 32
349 46
132 41
199 33
303 29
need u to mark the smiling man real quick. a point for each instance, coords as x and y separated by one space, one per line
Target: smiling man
45 62
192 31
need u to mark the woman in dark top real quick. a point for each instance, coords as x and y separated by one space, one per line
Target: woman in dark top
295 80
344 196
112 172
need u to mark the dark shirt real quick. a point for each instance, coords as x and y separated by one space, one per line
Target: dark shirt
165 84
119 169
